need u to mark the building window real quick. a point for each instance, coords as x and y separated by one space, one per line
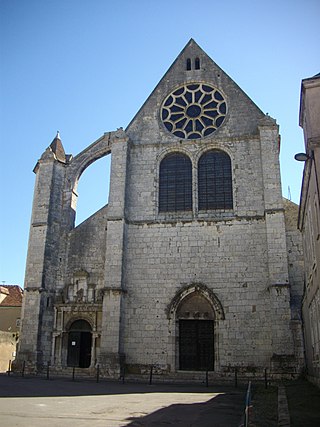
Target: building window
175 183
215 181
193 111
196 64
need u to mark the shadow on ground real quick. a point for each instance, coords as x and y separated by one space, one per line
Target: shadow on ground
31 386
37 402
220 411
304 403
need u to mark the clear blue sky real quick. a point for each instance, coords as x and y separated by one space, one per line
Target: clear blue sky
85 67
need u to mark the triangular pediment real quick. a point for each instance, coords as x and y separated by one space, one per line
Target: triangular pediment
193 66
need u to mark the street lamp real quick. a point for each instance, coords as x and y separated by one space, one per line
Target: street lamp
302 157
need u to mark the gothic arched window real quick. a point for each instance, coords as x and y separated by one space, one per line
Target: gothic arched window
175 183
215 181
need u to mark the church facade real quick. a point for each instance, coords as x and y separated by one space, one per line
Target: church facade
195 263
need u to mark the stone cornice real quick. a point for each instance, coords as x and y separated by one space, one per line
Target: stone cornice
35 289
210 220
113 290
190 142
82 306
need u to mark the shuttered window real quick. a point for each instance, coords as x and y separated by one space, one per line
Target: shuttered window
175 183
215 181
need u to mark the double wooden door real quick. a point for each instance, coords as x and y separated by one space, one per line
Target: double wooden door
79 349
196 345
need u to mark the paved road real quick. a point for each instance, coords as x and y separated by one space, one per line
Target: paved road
37 402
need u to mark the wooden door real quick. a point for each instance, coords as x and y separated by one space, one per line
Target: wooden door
196 346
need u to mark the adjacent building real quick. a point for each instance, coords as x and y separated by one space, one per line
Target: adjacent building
193 265
10 318
309 221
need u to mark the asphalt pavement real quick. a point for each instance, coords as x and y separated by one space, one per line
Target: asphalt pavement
37 402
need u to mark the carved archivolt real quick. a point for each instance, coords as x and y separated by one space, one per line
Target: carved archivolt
73 317
196 301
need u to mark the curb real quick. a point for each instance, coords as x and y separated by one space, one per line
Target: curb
283 410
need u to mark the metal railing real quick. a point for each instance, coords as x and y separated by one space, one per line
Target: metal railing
151 374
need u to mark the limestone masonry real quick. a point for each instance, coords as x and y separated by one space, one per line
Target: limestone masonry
194 264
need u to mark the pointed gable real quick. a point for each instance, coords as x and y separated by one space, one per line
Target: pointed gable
194 66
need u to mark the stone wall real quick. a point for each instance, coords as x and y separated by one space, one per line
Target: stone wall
8 344
227 258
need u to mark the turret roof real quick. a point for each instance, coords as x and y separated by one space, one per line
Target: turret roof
57 148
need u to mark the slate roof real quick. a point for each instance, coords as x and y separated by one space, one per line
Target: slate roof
14 296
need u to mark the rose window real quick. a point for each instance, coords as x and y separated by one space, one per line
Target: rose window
193 111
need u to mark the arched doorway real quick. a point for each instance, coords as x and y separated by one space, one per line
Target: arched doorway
195 317
79 344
